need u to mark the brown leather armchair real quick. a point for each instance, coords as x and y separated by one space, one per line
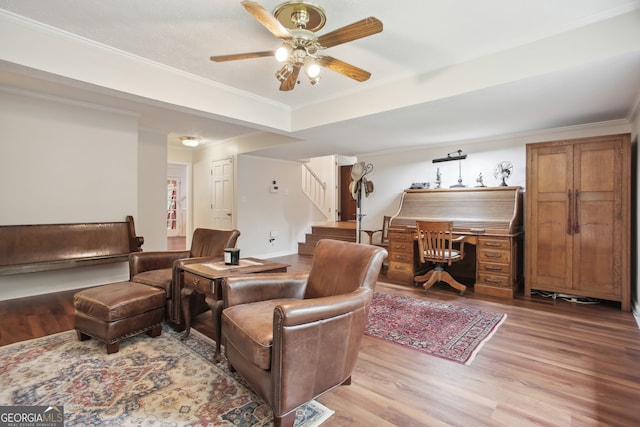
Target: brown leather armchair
162 268
294 336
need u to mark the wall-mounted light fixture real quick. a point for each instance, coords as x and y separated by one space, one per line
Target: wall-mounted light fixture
190 141
449 157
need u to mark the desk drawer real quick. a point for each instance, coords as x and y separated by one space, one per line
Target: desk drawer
495 280
494 243
400 271
395 236
494 255
401 247
401 257
200 283
493 268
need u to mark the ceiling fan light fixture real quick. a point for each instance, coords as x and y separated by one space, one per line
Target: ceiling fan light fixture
313 70
190 141
314 80
299 55
283 73
282 54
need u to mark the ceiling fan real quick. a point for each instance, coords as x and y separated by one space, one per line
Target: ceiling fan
295 23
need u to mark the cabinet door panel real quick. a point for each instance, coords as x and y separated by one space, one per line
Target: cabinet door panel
548 234
596 245
596 167
597 210
553 246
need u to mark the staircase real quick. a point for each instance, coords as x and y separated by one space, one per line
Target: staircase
316 190
345 231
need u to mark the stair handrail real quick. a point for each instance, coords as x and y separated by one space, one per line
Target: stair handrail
315 189
315 175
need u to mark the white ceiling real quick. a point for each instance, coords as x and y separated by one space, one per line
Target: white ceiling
442 71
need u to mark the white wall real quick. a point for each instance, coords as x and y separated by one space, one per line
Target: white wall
71 162
64 162
201 178
394 172
257 211
288 212
151 222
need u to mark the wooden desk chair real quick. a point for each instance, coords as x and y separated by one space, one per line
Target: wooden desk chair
384 237
435 244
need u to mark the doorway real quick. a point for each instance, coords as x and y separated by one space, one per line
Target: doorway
348 206
177 206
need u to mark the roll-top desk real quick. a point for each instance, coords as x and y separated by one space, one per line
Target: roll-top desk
489 217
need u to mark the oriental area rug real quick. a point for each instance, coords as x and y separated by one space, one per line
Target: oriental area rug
160 381
441 330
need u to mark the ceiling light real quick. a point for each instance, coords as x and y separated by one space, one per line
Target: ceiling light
314 80
313 70
283 73
282 54
190 141
298 55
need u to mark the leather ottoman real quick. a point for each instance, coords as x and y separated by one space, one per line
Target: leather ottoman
117 311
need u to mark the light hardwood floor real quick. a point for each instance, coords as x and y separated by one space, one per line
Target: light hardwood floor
551 363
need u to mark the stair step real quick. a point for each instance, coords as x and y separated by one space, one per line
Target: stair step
345 232
305 248
314 238
333 231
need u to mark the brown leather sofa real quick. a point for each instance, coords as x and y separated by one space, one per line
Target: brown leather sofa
294 336
162 268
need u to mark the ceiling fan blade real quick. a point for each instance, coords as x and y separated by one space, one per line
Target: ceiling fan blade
343 68
237 56
269 21
355 31
291 81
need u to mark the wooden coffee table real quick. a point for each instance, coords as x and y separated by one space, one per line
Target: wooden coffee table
206 278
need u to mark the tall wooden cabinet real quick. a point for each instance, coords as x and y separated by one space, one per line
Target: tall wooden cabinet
577 218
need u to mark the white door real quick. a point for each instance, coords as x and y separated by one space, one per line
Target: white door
222 193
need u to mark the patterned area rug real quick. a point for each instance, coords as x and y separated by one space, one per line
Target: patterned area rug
442 330
159 381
